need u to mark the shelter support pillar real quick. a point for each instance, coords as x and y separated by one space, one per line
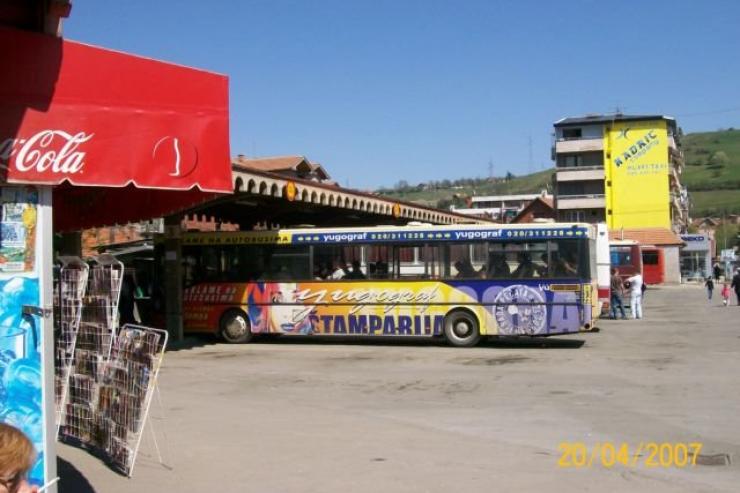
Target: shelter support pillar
173 277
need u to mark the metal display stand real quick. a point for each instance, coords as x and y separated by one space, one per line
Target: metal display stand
69 290
126 392
92 348
107 376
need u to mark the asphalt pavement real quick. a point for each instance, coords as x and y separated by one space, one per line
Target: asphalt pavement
338 415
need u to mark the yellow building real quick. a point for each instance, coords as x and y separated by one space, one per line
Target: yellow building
620 169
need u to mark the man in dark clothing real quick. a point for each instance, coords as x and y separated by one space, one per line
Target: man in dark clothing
736 285
616 295
717 272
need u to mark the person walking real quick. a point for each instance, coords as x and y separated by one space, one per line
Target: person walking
635 286
726 294
717 271
617 292
736 285
709 284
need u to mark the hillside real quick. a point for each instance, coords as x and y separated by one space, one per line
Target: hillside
711 174
446 192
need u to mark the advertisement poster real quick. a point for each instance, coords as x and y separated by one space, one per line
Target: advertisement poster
637 167
21 383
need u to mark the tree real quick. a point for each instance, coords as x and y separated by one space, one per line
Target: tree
509 176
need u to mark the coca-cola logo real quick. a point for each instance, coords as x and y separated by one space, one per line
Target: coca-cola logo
54 151
175 155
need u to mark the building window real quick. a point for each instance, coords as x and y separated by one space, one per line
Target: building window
581 159
572 133
575 216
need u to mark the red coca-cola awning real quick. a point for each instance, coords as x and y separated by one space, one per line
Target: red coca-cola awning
90 117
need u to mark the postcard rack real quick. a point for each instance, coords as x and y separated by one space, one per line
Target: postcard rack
111 372
70 287
93 343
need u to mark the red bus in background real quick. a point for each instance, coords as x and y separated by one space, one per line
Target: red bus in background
652 265
626 256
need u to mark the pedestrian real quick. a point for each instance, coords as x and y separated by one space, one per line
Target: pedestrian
726 294
635 286
617 292
709 284
736 285
17 456
717 271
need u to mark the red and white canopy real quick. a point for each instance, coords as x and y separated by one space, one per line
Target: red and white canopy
80 116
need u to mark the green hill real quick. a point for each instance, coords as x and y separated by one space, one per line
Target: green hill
446 192
711 174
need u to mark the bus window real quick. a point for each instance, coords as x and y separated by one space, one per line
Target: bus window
406 262
378 258
569 258
433 258
287 263
209 268
333 262
460 262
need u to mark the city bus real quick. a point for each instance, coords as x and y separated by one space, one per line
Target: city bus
458 282
626 257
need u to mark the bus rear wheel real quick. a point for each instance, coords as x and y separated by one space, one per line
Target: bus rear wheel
235 327
461 329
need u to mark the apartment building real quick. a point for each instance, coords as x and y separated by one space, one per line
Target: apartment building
620 169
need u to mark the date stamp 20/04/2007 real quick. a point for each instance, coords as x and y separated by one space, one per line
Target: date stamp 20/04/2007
647 454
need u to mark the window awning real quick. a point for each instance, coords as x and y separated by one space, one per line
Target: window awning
84 116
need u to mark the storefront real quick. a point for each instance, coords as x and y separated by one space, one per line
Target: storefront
88 137
696 257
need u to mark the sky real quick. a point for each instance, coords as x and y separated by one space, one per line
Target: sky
387 90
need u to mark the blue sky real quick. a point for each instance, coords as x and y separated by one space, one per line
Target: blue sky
381 91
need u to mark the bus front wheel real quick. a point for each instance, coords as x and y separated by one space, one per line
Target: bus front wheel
235 327
461 329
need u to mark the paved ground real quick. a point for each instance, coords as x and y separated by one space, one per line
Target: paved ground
301 416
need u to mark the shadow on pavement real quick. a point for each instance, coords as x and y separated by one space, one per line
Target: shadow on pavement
493 342
533 343
71 480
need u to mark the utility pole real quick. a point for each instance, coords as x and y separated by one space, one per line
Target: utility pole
531 170
490 168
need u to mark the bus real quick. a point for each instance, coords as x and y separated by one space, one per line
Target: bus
603 268
626 257
460 282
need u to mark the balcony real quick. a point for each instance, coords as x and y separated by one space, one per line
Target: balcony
580 173
579 145
587 201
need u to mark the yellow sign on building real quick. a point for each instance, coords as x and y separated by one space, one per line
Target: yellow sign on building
636 166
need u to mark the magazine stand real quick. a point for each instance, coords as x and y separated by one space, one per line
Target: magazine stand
92 348
70 287
112 373
126 392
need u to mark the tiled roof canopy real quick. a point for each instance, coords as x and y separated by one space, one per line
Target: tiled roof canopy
647 236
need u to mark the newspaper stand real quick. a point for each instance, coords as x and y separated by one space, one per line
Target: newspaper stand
111 373
126 392
69 289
